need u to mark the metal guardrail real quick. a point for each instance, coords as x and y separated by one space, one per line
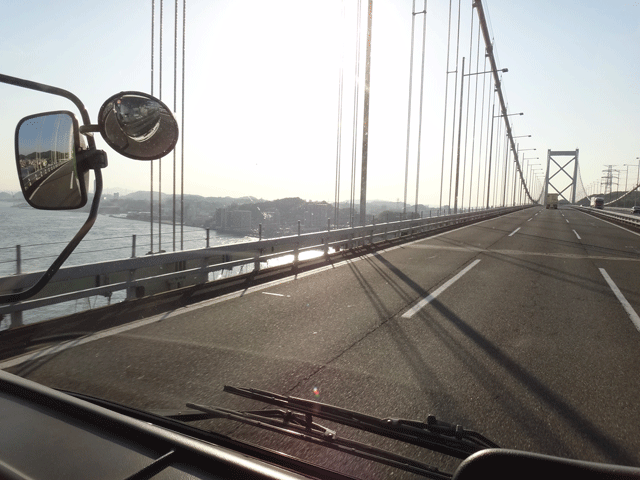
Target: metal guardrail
629 219
143 276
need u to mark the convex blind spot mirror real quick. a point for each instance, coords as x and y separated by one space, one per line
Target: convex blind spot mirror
138 126
46 156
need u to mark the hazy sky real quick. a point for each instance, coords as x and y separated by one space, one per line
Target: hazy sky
261 104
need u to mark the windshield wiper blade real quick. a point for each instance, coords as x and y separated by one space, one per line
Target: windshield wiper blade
302 427
443 437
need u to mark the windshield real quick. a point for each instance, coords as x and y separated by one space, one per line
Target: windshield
387 206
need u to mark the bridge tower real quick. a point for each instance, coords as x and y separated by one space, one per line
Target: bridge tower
573 179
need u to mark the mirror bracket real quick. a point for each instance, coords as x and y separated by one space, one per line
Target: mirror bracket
92 159
89 129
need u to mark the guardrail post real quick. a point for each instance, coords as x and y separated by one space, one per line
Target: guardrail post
208 238
256 262
259 231
298 227
18 260
325 241
16 317
373 222
133 246
130 290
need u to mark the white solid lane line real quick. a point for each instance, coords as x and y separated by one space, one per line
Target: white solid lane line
577 235
513 233
625 304
425 301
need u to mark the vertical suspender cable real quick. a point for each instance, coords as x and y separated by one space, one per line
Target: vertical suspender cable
406 167
475 116
424 42
184 24
153 23
355 117
506 170
365 120
455 99
484 90
175 105
497 164
446 94
336 214
466 127
160 159
489 148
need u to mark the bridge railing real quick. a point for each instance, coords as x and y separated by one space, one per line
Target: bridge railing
148 275
628 218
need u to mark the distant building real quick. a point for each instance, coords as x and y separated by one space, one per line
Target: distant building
317 214
235 221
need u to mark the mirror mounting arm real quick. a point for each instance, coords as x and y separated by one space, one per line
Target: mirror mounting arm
92 159
89 129
39 285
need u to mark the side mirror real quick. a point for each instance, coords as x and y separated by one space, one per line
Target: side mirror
138 126
46 148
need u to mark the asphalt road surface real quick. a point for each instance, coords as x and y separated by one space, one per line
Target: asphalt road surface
520 327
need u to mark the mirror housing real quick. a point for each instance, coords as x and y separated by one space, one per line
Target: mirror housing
138 126
47 147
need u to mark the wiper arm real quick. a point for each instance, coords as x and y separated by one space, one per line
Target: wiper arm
443 437
302 427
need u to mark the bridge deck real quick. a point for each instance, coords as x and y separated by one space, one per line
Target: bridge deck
530 345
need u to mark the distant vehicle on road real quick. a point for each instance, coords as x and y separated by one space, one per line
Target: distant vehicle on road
635 209
552 200
597 202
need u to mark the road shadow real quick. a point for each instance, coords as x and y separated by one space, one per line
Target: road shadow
532 426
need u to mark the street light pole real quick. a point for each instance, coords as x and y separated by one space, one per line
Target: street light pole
455 200
493 117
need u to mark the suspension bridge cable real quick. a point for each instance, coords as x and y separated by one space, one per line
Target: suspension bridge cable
475 117
455 101
153 23
406 166
339 133
355 115
424 43
160 159
484 90
506 171
486 181
184 51
466 127
497 164
446 98
175 105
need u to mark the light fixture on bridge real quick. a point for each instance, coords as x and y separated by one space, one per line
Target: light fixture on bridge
504 70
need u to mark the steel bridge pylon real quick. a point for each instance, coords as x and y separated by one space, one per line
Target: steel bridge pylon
562 168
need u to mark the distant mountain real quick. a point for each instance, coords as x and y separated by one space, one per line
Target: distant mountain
4 196
42 155
141 195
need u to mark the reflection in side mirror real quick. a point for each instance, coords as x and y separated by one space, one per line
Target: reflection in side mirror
138 126
46 146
